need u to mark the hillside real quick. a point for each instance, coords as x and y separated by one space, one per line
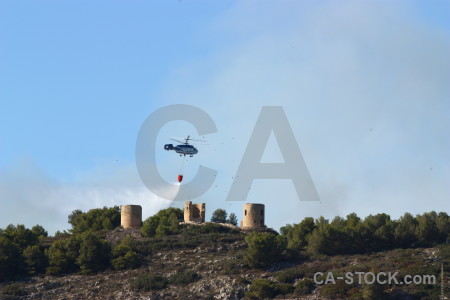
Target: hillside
208 262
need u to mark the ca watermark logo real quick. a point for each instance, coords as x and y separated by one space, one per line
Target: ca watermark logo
271 119
373 278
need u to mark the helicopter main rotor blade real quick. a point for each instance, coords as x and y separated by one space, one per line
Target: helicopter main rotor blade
177 141
185 140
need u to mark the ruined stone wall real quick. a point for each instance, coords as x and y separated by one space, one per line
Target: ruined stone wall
131 216
194 212
253 215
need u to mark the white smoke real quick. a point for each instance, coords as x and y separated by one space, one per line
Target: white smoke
28 196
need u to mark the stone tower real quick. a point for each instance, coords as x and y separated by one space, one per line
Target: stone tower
131 216
253 215
194 213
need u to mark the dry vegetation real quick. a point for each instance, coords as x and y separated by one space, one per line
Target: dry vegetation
212 265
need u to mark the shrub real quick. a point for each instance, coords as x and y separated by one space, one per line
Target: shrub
184 277
129 261
283 288
261 289
264 288
124 257
208 228
444 253
305 287
335 291
264 248
148 282
373 291
130 242
232 266
355 294
241 280
295 255
289 276
12 291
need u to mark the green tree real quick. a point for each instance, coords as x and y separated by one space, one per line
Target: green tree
298 234
232 219
426 230
95 219
405 231
165 222
284 230
330 238
35 259
219 216
39 231
94 253
380 232
356 234
11 259
76 219
20 235
167 226
264 248
62 234
325 240
62 255
352 221
443 226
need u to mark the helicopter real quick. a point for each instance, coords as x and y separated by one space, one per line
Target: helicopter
185 148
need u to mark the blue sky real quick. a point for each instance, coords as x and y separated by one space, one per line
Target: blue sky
365 86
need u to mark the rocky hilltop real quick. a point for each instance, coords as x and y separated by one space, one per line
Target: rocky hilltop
211 264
